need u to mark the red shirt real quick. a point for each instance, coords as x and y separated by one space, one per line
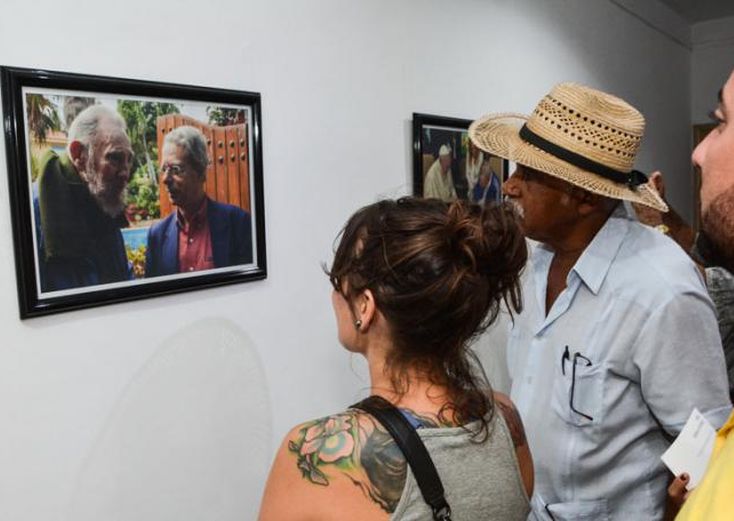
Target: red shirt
194 241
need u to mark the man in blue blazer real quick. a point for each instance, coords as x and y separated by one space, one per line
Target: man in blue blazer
201 234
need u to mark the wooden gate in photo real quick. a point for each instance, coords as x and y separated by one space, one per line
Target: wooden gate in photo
228 173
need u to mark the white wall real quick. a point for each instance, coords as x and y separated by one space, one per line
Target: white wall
712 61
171 408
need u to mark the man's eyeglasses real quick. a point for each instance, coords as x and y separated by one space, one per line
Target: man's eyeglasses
587 363
168 168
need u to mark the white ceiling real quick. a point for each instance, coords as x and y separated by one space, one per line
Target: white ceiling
701 10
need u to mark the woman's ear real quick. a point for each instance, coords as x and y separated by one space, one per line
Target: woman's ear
365 309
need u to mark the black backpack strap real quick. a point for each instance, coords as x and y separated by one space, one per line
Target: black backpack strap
414 451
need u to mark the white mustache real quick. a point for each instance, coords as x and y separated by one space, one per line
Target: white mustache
518 209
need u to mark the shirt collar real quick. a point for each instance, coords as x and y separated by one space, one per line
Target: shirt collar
593 265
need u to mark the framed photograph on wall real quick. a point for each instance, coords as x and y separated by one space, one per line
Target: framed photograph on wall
447 165
124 189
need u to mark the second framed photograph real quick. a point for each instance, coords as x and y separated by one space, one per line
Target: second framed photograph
122 189
447 166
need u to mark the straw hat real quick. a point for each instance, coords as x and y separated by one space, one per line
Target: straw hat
583 136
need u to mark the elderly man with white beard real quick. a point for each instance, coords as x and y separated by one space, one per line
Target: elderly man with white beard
79 201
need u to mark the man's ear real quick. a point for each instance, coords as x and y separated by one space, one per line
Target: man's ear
78 153
588 202
366 309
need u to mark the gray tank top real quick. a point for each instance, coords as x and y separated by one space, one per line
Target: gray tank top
482 480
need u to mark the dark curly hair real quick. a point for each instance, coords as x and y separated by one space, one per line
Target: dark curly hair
438 272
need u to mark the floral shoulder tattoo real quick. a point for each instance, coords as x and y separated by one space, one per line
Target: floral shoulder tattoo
354 445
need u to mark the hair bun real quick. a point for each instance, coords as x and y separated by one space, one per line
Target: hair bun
488 240
438 273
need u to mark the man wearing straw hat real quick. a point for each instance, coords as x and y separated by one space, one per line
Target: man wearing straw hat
618 340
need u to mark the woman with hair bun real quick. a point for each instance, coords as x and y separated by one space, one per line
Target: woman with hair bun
415 282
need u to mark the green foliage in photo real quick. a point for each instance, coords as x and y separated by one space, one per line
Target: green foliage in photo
142 196
43 116
223 116
140 118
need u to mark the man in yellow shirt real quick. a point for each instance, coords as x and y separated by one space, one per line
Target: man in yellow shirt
713 499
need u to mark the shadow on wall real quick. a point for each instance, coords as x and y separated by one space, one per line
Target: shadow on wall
189 438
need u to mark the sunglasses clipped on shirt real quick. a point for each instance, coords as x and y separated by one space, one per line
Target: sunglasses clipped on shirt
574 362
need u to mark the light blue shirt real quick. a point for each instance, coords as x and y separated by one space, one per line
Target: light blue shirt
642 334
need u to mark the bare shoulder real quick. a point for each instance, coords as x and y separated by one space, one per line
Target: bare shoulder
517 431
342 458
329 441
512 418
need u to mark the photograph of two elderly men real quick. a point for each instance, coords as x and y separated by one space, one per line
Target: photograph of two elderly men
128 189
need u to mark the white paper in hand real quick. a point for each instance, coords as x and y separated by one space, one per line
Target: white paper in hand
691 450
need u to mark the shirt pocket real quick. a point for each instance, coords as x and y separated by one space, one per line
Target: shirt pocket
578 392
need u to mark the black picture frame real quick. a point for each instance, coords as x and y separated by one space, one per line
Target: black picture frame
237 112
430 133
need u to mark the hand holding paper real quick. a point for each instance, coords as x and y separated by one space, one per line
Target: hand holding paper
691 450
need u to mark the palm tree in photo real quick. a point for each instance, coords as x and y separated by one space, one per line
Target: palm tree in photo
42 117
